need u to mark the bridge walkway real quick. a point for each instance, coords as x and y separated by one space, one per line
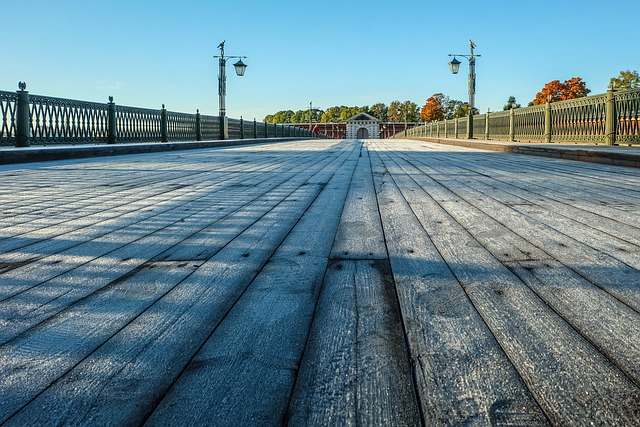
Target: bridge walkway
320 283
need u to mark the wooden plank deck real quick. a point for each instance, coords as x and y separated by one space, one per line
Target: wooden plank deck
320 283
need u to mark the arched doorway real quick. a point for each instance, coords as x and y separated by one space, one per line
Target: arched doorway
363 133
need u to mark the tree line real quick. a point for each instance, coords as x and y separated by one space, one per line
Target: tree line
396 111
440 107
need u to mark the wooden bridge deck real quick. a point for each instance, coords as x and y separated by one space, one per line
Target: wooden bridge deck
320 283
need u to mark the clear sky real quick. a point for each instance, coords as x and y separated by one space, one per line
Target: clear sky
146 53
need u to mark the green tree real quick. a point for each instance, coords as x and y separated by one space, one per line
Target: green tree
348 112
409 111
452 107
331 115
300 116
380 111
511 103
283 116
393 112
626 80
463 110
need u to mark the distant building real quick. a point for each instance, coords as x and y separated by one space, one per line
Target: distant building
339 130
363 126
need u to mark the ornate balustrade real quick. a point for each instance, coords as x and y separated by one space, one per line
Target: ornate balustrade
8 102
627 104
26 119
607 118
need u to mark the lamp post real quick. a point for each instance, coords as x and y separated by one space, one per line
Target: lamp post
240 68
454 65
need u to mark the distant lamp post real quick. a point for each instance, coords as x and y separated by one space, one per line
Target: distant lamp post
240 68
454 65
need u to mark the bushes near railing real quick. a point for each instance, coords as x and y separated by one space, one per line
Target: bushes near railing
609 118
27 119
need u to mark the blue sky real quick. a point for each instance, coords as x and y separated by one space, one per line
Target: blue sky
146 53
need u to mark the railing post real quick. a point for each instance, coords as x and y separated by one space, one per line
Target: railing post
547 122
23 119
445 127
164 125
241 128
455 127
610 118
198 126
224 127
255 129
486 125
112 137
512 122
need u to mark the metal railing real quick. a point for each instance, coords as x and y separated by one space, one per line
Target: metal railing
613 117
33 119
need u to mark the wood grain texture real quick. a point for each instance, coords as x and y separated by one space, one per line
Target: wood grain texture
360 232
320 283
355 370
265 333
462 374
544 348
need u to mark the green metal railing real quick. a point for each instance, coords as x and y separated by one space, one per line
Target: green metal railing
27 119
613 117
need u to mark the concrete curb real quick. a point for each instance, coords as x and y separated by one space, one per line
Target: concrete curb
52 152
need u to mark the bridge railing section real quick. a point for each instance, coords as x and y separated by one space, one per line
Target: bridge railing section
613 117
27 119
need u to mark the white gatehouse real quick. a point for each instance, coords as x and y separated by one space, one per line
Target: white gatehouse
363 126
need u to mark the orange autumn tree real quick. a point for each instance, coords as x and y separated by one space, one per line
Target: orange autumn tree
556 91
432 109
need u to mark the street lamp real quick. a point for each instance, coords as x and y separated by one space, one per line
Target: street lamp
240 68
454 65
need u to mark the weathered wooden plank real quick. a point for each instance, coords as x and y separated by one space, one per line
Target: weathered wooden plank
143 244
547 352
30 363
166 225
616 277
134 368
143 222
263 336
36 304
360 232
610 200
356 369
613 327
552 194
462 374
49 238
17 356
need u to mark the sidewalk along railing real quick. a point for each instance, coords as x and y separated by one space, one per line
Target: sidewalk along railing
27 119
613 117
